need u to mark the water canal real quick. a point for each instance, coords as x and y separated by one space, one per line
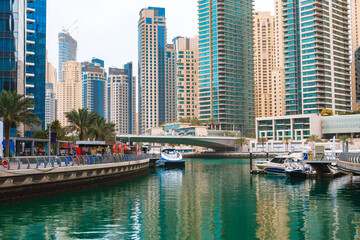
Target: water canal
209 199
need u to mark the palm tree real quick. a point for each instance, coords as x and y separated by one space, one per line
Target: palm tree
14 109
241 141
287 141
81 121
262 141
312 139
344 138
212 122
102 130
56 127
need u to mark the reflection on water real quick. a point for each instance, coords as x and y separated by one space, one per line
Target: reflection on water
209 199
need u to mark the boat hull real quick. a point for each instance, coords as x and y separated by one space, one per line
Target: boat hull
275 171
168 164
296 174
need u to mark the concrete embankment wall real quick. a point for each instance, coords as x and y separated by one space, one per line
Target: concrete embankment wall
227 155
28 183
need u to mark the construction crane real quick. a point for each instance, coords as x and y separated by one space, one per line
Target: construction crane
68 29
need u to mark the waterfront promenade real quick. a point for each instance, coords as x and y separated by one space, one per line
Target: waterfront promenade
27 177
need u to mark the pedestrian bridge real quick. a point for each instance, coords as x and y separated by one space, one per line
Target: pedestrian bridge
217 143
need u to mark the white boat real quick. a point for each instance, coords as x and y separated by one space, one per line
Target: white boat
170 158
283 163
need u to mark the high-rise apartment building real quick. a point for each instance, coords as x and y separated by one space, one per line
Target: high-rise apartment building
316 56
69 96
94 87
151 69
67 50
226 71
12 54
187 79
50 104
264 63
50 93
122 95
355 44
22 53
36 56
356 78
277 73
170 89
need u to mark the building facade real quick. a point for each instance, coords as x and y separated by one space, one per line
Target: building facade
12 54
69 96
226 86
187 79
151 69
170 85
122 95
94 94
50 104
264 62
294 127
355 44
277 73
36 56
67 50
316 56
356 77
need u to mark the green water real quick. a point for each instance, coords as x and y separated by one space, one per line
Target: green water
209 199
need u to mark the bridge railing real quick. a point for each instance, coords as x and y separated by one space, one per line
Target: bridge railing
36 162
350 157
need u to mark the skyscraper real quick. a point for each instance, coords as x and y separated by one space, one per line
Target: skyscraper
122 95
264 62
355 42
50 93
226 86
69 96
151 69
12 50
94 87
36 63
316 56
170 89
277 73
50 104
187 79
67 50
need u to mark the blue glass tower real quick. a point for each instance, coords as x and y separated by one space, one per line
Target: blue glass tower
12 45
36 55
67 50
94 87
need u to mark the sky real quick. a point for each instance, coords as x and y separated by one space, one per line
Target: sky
107 29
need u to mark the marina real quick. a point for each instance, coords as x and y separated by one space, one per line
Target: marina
208 199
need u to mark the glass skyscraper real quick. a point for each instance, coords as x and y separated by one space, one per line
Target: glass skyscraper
316 56
12 45
67 50
36 56
152 64
226 72
94 87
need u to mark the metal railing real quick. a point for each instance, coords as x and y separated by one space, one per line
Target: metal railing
36 162
350 157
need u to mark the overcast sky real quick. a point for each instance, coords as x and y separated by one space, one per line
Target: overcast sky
107 29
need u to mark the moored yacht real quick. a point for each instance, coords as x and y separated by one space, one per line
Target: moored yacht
170 158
